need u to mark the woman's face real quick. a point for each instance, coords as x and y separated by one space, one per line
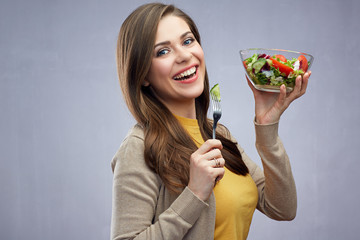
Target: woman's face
177 69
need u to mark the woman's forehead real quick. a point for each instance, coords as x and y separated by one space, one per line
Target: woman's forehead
171 27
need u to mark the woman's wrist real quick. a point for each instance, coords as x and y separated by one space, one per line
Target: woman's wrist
264 121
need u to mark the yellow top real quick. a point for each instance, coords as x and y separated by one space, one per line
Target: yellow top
236 196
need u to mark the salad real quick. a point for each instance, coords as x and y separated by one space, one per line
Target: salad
275 70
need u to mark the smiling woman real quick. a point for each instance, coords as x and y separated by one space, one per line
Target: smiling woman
177 71
169 172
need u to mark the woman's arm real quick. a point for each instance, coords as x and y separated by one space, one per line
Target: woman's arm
136 190
276 186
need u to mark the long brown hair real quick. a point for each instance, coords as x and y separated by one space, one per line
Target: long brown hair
167 145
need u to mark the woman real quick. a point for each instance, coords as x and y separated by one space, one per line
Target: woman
171 180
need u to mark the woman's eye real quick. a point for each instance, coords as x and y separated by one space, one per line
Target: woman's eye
188 41
162 52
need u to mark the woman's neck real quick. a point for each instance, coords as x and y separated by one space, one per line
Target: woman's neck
186 110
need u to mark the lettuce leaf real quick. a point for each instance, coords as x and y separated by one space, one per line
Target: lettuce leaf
262 79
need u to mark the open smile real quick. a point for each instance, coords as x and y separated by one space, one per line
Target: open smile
186 74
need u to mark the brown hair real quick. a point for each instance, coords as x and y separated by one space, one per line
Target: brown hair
167 145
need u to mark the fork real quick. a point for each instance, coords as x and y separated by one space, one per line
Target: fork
216 111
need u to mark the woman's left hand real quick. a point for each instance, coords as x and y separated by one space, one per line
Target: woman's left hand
269 106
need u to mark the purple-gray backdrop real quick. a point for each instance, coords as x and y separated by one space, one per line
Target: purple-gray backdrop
62 117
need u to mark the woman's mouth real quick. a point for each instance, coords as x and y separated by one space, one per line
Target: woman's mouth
186 74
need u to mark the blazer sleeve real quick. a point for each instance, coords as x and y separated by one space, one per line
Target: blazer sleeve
135 194
275 184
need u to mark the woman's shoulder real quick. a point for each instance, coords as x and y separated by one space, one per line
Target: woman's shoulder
132 147
137 131
129 165
133 139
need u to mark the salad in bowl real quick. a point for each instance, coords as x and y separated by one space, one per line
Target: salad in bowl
268 69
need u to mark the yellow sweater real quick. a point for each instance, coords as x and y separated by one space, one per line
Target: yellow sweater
236 196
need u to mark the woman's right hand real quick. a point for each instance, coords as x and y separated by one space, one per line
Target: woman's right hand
204 170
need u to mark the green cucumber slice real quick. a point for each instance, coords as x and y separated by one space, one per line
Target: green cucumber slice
215 90
259 64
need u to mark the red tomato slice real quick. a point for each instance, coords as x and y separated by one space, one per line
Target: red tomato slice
282 67
281 57
303 63
245 65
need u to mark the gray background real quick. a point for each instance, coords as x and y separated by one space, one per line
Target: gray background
62 116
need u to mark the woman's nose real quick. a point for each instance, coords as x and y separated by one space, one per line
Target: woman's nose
183 55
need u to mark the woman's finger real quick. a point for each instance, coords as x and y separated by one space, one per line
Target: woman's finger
219 174
305 81
301 86
214 153
296 91
217 162
282 95
209 145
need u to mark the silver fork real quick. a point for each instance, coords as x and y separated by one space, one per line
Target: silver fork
216 112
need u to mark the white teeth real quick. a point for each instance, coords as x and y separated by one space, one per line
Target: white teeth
186 73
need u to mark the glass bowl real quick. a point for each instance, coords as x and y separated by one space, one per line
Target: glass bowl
268 69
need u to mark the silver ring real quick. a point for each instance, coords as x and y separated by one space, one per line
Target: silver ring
217 162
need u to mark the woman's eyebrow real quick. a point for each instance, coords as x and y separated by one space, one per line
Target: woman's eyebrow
168 42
